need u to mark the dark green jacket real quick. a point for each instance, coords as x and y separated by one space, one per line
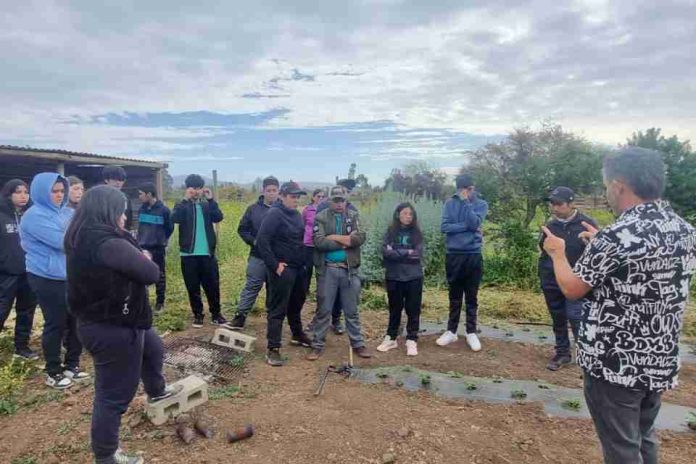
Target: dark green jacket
324 225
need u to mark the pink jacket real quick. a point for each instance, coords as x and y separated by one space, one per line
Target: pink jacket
308 217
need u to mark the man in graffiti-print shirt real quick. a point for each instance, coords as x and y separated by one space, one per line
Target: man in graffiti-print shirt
639 271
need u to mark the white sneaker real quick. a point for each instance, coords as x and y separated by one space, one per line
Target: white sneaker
58 381
447 338
473 341
411 348
387 344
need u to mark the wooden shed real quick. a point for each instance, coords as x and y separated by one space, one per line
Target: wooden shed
24 163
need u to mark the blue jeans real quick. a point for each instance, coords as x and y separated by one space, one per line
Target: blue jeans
122 357
335 283
256 276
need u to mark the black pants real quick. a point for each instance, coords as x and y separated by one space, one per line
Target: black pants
286 295
309 266
15 289
158 257
624 420
202 271
59 325
464 273
561 315
404 295
122 357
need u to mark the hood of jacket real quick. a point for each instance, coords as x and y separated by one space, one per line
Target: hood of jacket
41 186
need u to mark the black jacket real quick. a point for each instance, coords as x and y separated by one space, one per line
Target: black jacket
568 231
11 252
402 259
155 225
280 238
184 214
107 278
251 222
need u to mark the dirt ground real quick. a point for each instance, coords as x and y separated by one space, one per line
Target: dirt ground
350 422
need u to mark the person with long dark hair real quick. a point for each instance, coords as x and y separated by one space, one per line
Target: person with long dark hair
14 286
402 250
41 232
108 274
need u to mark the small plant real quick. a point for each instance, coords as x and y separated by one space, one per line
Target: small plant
518 394
224 392
543 337
25 460
497 380
470 386
691 420
425 379
525 329
572 404
237 361
12 377
407 369
382 375
455 374
543 386
509 334
399 383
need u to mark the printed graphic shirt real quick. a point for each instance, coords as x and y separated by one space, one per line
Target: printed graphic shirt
640 270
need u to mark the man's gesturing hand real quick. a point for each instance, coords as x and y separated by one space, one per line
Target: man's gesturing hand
554 246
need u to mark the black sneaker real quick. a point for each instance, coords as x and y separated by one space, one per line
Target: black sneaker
218 320
301 340
238 322
558 361
197 322
26 354
169 390
58 381
338 328
273 358
75 373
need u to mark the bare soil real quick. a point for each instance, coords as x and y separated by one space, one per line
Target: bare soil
350 422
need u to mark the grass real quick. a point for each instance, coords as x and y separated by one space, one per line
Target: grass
518 394
573 404
226 391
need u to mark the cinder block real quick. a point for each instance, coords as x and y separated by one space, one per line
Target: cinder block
235 340
194 393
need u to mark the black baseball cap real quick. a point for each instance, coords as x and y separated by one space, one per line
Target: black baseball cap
463 181
561 195
291 188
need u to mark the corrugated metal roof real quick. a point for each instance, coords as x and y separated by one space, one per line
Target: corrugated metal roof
77 153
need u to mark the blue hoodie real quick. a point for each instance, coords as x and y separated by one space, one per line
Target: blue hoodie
43 228
461 222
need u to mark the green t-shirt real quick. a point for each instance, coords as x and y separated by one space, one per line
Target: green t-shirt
337 256
200 247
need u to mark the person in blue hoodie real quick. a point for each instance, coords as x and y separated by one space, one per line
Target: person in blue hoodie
155 226
462 220
41 232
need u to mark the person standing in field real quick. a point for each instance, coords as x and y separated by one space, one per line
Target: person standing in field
196 214
636 274
402 251
567 222
42 231
77 188
256 270
14 283
462 222
308 215
155 226
279 242
115 176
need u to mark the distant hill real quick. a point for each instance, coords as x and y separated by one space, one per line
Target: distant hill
179 183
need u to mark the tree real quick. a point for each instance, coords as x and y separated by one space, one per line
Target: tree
418 179
167 181
515 175
680 163
351 171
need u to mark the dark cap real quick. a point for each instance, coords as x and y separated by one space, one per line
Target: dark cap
337 191
463 181
270 180
561 195
349 184
291 188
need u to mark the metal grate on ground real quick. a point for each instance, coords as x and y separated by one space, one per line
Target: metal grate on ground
194 356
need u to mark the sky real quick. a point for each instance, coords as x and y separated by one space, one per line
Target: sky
301 89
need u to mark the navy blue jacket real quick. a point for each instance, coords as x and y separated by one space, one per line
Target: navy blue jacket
250 224
155 225
462 221
281 238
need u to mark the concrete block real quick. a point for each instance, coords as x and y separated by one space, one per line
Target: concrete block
235 340
194 393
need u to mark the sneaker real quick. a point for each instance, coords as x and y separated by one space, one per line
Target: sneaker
387 344
473 341
558 361
301 340
238 322
447 338
314 354
58 381
197 322
273 358
74 373
362 352
218 320
26 354
338 328
411 348
120 457
159 308
169 391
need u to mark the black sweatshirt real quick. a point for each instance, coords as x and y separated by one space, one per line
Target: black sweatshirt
184 214
402 258
251 222
107 276
280 238
11 252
